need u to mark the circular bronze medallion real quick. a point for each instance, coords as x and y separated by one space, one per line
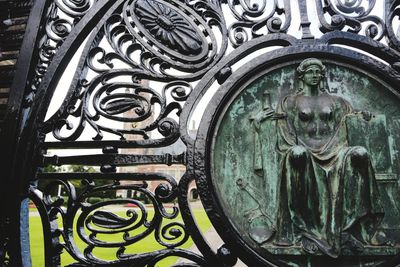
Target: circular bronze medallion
302 164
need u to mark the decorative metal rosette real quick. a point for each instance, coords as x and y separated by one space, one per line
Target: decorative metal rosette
173 33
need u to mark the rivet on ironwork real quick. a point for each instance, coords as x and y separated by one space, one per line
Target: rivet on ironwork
107 168
110 150
224 74
226 255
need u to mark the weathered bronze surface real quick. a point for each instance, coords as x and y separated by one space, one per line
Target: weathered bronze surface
316 175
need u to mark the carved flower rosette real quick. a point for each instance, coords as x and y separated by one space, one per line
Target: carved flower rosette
172 32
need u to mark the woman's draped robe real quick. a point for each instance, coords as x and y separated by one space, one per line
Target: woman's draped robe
327 197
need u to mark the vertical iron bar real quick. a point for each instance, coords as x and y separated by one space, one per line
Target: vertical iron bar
13 219
305 22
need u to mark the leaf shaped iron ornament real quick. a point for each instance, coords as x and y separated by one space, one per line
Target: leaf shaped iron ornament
121 105
168 26
110 220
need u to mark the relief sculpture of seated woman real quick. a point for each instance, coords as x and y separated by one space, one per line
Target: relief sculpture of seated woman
328 197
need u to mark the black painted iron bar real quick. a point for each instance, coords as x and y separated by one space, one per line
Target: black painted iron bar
14 216
97 175
117 143
115 159
305 22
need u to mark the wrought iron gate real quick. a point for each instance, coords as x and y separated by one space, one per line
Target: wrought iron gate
132 75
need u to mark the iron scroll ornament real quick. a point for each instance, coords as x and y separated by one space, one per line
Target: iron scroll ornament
215 199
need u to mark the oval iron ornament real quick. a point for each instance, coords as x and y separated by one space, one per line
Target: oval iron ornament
170 29
168 26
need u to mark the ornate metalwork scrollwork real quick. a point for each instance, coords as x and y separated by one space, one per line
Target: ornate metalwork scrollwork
109 103
350 16
94 222
62 16
129 29
392 16
256 16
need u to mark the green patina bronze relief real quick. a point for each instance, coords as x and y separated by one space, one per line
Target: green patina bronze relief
305 162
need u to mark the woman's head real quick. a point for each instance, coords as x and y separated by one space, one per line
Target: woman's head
311 72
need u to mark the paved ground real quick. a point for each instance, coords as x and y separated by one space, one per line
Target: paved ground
215 242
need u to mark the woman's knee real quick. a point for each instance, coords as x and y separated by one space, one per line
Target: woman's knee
359 156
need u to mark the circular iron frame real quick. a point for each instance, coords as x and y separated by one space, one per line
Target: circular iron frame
202 152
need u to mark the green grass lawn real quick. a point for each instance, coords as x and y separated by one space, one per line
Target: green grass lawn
147 244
